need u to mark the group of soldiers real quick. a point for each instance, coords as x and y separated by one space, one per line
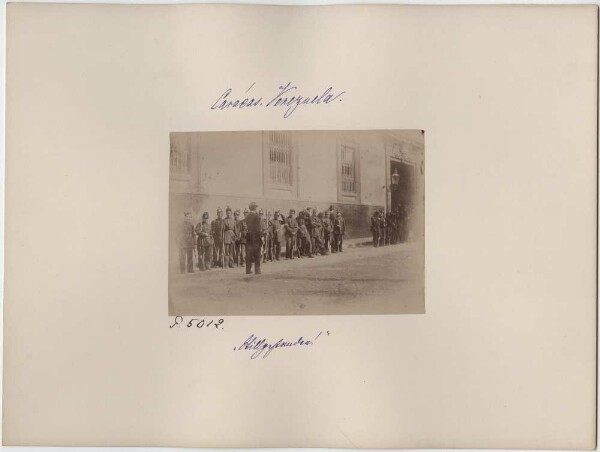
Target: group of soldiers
390 228
257 237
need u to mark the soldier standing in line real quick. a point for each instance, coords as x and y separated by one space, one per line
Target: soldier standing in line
217 228
228 237
302 237
327 230
317 234
278 234
375 228
339 230
186 244
269 242
381 228
308 221
332 215
253 240
291 229
264 228
311 221
240 237
205 243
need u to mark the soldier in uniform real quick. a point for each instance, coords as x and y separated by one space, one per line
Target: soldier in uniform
240 237
205 243
228 237
278 234
291 229
302 238
339 230
332 215
381 228
186 244
327 230
317 233
253 240
264 230
217 228
375 228
308 221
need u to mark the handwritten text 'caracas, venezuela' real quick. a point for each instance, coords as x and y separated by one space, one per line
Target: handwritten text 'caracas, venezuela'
287 96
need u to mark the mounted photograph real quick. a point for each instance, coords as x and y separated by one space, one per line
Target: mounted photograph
296 223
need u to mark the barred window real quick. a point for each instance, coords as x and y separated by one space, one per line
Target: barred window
180 160
348 169
280 158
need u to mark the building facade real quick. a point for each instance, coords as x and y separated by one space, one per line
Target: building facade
357 172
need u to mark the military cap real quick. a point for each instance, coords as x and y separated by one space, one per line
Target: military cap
219 210
237 213
205 215
253 206
228 209
246 210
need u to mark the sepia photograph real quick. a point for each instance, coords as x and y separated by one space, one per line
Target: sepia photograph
296 222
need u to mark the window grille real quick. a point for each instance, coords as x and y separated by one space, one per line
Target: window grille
348 170
280 158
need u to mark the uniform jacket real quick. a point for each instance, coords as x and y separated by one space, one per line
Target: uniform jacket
339 227
302 231
217 227
291 226
265 229
204 234
240 231
332 216
327 226
317 227
186 234
229 228
278 231
375 224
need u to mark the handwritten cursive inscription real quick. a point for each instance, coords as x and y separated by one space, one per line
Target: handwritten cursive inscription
197 323
258 346
286 97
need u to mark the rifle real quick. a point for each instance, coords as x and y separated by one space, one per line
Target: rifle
223 247
295 249
236 251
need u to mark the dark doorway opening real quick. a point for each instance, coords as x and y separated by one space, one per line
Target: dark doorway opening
402 177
